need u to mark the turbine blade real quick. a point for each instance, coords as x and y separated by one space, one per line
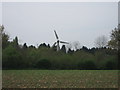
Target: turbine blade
56 34
53 44
64 42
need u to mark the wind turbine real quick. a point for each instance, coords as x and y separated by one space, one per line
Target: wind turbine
58 41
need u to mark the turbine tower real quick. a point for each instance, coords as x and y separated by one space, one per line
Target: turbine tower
58 41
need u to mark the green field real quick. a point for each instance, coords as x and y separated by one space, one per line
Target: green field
60 78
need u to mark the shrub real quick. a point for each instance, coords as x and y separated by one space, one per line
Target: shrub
43 64
111 65
87 65
12 58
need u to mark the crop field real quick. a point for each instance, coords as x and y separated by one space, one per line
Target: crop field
59 78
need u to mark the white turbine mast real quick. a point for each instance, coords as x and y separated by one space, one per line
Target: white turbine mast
58 41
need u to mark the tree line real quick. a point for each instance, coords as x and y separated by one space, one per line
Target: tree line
16 56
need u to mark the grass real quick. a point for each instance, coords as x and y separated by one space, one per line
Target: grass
60 78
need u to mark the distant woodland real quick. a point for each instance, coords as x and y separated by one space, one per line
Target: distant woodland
101 57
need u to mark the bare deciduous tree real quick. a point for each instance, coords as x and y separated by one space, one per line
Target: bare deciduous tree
73 46
101 41
76 45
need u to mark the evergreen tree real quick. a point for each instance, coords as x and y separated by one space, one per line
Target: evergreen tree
63 49
115 39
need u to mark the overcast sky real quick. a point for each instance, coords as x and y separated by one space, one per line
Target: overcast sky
34 23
